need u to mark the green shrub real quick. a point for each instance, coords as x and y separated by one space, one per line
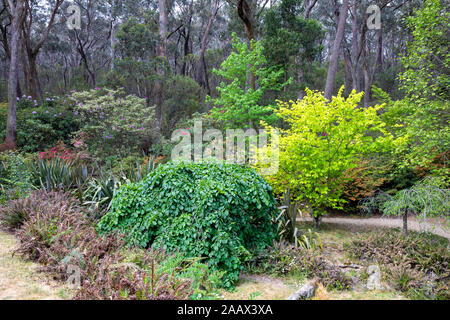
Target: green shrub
112 122
15 179
182 98
41 125
428 198
324 140
217 211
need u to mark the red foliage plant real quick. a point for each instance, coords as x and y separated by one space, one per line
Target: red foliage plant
56 233
60 151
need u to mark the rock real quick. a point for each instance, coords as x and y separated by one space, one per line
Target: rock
307 291
374 280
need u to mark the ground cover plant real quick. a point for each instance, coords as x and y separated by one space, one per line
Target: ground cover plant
53 230
416 264
284 259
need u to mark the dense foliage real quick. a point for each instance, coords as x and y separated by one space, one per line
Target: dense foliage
15 179
112 122
422 115
323 140
41 125
220 212
239 105
293 44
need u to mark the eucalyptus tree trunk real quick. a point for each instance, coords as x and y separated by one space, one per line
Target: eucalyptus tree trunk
17 11
32 52
161 53
355 57
201 69
187 37
245 14
332 69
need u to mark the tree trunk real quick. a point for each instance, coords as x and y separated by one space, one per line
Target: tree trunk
17 12
201 69
380 49
348 74
33 77
317 221
245 14
161 52
355 58
332 69
187 36
32 53
405 223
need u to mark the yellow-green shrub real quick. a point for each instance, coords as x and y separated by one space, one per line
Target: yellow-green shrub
323 140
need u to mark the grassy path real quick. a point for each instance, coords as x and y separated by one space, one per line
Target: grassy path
21 280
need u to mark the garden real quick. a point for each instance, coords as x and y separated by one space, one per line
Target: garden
95 206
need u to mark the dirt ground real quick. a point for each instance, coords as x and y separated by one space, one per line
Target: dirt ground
437 226
21 280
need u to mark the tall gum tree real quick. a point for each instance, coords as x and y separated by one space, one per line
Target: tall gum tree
332 69
17 13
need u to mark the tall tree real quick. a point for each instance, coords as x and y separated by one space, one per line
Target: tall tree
31 50
162 54
332 69
17 13
201 76
245 13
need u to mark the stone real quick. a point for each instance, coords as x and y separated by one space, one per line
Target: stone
374 280
307 291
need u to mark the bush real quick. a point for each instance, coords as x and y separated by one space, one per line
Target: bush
428 198
238 104
323 140
15 179
424 252
112 122
41 126
182 98
359 183
16 212
217 211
